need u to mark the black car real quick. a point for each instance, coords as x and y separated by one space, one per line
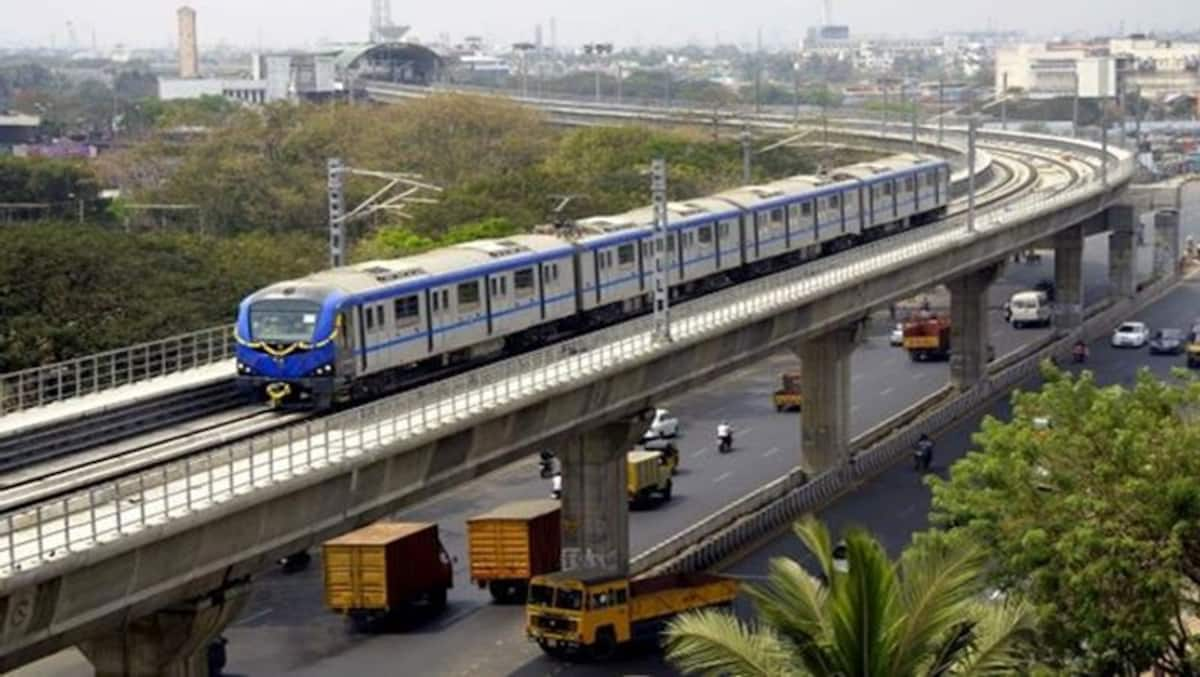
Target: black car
1167 342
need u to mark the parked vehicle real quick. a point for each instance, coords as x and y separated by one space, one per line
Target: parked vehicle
511 544
788 395
648 476
590 614
927 338
1030 308
1131 335
664 425
385 569
1168 342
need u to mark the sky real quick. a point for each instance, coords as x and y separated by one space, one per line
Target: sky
277 23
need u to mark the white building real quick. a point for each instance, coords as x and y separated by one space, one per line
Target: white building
1044 70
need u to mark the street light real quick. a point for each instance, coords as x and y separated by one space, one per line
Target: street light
597 50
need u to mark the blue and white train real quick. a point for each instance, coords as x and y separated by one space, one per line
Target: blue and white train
361 330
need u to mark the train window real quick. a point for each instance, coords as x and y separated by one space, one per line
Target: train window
705 234
554 272
435 296
724 229
608 258
887 188
468 293
806 209
619 596
504 286
835 201
407 309
671 242
908 183
379 316
625 255
523 280
370 319
776 216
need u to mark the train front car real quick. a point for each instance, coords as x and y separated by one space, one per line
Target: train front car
289 341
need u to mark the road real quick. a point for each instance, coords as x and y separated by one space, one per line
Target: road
286 630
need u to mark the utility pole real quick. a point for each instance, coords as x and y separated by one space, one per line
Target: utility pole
758 74
971 122
667 70
1075 105
941 109
620 77
745 138
1004 101
796 90
884 117
1104 145
915 105
662 296
337 208
378 201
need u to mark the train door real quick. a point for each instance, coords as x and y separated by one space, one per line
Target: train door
345 344
440 317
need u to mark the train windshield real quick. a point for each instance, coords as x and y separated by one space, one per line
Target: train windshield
283 321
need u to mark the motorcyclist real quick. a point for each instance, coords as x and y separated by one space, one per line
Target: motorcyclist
924 452
1080 351
725 434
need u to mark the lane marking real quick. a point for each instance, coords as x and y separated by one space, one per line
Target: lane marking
887 391
918 376
701 452
856 378
771 452
722 477
254 617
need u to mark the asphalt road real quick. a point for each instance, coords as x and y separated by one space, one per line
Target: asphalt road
286 630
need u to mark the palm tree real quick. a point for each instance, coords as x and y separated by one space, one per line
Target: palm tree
922 616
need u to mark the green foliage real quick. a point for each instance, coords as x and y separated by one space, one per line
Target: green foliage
46 180
920 616
67 290
1095 519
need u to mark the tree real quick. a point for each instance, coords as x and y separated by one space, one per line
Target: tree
1088 502
920 616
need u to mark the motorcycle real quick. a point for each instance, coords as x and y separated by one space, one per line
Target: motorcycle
1079 353
725 444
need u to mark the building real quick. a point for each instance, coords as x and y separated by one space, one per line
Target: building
189 53
17 129
313 76
1100 69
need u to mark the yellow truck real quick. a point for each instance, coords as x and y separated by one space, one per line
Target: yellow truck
589 614
788 396
513 543
386 568
648 476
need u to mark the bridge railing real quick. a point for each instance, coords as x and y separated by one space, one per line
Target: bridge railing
33 535
39 386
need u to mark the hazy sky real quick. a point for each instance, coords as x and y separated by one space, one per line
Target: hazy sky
624 22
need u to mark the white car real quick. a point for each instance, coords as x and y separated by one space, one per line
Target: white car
1131 335
897 336
663 426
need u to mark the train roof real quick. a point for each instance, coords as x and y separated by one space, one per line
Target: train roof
370 275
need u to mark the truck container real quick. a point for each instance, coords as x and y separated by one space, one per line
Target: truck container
513 543
648 475
385 569
590 613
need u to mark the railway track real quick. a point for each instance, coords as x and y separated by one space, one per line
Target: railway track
59 474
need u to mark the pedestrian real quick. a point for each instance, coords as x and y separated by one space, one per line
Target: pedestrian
924 453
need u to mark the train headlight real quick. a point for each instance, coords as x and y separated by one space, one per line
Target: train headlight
243 368
324 370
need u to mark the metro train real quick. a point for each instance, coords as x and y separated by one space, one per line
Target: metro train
358 331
